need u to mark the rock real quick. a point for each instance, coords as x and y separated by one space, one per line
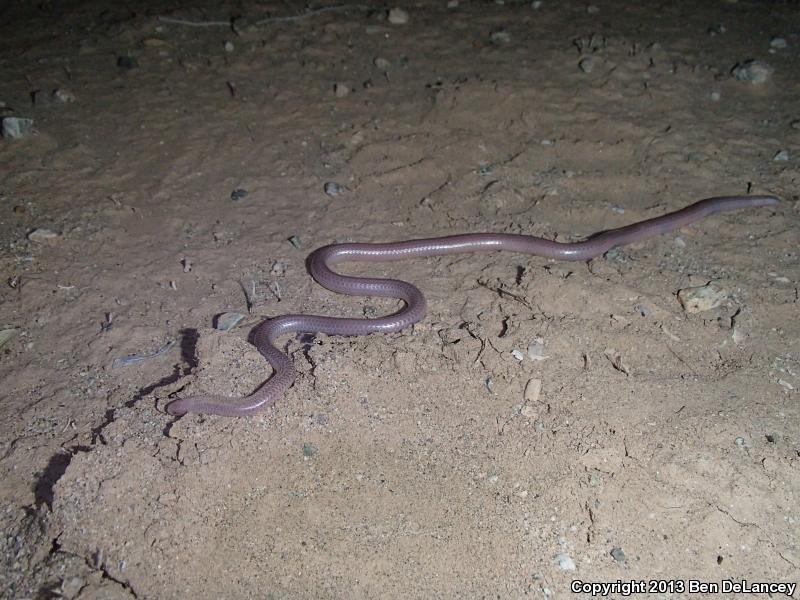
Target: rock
41 236
6 335
16 127
565 563
63 96
517 354
592 9
238 194
702 298
500 36
341 90
397 16
333 189
617 554
586 64
755 71
381 63
309 450
715 96
616 360
781 156
533 390
536 349
228 46
452 4
536 4
41 98
278 268
227 321
294 241
778 43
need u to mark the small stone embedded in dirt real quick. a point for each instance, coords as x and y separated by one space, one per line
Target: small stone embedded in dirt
517 354
43 235
536 349
755 71
500 36
278 268
397 16
617 554
228 46
592 9
309 450
781 156
381 63
227 321
341 90
452 3
333 189
778 43
715 96
536 4
294 241
702 298
238 194
126 63
41 98
16 127
533 390
616 360
565 562
742 443
63 96
6 335
586 64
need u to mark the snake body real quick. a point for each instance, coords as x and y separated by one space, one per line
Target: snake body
321 260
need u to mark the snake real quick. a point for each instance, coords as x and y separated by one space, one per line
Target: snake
321 261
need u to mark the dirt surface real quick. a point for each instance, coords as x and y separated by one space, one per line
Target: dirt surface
662 444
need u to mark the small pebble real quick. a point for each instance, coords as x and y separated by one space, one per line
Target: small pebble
227 321
397 16
536 349
500 36
41 98
381 63
16 127
341 90
702 298
489 383
715 96
238 194
586 64
452 4
778 43
278 268
294 241
6 335
229 47
742 443
63 96
333 189
533 390
592 9
517 354
618 555
679 242
755 71
309 450
781 156
536 4
43 235
565 563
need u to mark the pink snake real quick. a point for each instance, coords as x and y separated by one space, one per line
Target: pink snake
320 262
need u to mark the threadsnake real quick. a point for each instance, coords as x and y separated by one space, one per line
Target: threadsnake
321 260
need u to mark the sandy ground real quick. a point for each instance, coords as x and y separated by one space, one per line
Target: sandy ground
663 445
